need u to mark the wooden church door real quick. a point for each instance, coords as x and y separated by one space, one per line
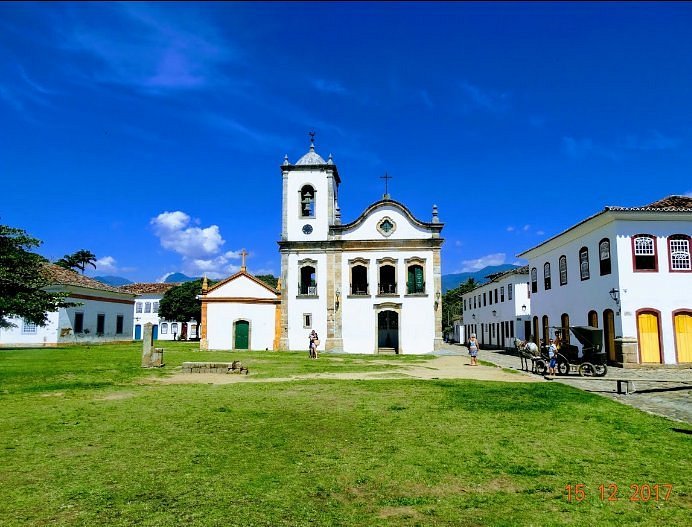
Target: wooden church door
242 333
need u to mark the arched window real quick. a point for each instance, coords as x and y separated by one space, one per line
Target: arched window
679 253
308 281
387 276
546 276
164 328
592 319
359 276
584 263
415 282
604 256
562 265
307 202
644 253
174 328
534 280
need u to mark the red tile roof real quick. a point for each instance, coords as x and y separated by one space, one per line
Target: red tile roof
144 288
60 275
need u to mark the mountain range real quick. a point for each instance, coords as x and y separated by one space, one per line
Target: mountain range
449 281
452 281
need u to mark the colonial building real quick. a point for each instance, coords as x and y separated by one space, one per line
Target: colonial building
500 310
372 285
146 310
102 314
240 312
626 270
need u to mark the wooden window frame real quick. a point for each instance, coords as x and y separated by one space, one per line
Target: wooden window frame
584 277
683 237
634 255
534 280
547 281
601 260
562 269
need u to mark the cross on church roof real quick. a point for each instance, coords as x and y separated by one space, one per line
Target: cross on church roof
386 178
312 139
243 254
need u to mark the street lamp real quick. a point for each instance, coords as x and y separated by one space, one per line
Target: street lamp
437 300
494 313
523 308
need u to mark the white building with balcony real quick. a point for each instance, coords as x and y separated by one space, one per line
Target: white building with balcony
369 286
626 270
499 311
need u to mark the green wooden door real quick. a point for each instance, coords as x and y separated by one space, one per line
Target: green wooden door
242 331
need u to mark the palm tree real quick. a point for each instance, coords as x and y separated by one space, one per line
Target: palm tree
78 260
82 258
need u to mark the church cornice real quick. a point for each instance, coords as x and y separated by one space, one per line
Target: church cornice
359 245
306 168
432 227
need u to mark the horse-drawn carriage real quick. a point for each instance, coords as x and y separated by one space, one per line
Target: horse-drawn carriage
589 361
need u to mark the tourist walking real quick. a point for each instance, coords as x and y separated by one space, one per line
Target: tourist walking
473 349
552 355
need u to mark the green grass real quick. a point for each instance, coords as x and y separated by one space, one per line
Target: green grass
87 440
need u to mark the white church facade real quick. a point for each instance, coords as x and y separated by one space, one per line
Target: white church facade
369 286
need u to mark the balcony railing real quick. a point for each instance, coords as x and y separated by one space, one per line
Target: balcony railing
359 289
387 289
413 289
307 290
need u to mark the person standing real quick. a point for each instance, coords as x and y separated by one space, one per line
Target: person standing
473 349
552 355
314 342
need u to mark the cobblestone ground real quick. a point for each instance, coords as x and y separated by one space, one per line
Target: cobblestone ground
670 400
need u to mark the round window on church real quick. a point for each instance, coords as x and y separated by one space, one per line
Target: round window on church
307 228
386 226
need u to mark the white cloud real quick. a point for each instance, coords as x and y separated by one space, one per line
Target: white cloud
175 234
199 247
483 261
526 227
485 99
510 228
540 233
107 264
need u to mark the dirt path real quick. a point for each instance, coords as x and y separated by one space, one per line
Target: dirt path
444 367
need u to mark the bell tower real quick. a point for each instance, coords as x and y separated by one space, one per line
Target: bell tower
309 202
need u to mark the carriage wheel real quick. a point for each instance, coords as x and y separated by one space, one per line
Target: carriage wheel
587 369
563 368
600 370
541 367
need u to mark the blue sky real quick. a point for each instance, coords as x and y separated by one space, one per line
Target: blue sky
152 134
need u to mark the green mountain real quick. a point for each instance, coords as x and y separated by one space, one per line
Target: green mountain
115 281
452 281
179 277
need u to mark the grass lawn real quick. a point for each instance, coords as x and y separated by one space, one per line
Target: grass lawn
87 439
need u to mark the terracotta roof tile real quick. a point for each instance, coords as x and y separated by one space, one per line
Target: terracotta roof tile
62 276
144 288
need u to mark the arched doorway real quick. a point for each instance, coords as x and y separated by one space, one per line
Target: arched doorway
535 337
138 332
546 330
648 328
609 333
683 335
155 331
241 332
564 324
592 318
388 332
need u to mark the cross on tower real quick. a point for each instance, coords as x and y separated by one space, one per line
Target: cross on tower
312 137
243 254
386 178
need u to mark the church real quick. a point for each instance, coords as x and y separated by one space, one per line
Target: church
372 285
369 286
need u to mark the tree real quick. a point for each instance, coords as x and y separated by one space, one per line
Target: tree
23 280
180 302
78 260
453 304
270 280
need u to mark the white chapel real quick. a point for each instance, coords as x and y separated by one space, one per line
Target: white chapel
372 285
